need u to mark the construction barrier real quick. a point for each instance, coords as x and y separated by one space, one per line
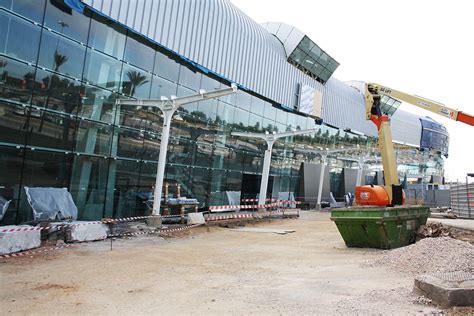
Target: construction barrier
34 252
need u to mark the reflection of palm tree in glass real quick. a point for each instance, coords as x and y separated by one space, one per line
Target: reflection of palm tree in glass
3 64
136 79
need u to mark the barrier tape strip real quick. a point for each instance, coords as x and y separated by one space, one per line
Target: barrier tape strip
256 200
32 252
128 219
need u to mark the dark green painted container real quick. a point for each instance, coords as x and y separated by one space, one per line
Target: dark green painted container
379 227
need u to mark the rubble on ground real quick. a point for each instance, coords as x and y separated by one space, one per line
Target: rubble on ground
433 229
429 255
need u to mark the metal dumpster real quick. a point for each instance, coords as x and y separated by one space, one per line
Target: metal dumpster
379 227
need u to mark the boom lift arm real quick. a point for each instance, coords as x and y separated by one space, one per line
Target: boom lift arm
392 193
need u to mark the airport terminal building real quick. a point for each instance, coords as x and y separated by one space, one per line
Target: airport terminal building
63 63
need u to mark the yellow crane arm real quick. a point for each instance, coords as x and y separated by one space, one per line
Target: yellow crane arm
423 103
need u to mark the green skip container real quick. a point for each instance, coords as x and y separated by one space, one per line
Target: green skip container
379 227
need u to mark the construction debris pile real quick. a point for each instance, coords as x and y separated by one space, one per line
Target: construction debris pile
429 255
434 229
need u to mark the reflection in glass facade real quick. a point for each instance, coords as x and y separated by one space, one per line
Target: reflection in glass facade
60 126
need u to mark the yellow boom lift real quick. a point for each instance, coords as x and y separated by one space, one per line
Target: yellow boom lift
391 193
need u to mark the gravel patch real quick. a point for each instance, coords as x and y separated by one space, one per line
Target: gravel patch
429 255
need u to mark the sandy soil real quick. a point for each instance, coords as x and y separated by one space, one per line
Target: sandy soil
217 272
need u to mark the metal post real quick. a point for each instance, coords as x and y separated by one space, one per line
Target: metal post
265 172
160 172
321 182
359 172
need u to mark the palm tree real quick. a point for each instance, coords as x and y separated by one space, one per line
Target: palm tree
136 79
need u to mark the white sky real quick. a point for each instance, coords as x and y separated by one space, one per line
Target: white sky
420 47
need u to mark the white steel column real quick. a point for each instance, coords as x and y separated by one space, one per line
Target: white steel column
267 159
270 139
321 180
169 107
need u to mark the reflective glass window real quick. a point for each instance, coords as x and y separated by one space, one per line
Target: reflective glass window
151 146
123 182
61 18
128 143
209 84
88 186
24 46
16 80
189 78
270 111
102 70
11 165
13 123
135 82
138 53
201 185
225 114
207 110
161 87
234 181
62 55
93 138
132 116
31 9
218 188
241 118
166 67
98 104
56 92
243 100
107 37
51 130
257 106
255 123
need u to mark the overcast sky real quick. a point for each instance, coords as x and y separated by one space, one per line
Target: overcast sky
420 47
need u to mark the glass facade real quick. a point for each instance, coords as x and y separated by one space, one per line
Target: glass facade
60 126
311 59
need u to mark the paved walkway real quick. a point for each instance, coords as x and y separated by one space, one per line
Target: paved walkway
457 223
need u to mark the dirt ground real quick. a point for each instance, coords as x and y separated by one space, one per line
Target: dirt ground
222 271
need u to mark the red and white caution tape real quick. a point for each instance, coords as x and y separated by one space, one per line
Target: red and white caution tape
33 252
256 200
241 207
168 231
107 221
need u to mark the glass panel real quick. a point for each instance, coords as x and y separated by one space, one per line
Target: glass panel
98 104
225 114
218 182
88 186
23 47
56 92
206 111
241 118
11 164
166 67
43 169
107 37
189 78
52 130
62 55
130 143
151 147
61 18
161 87
201 185
13 123
306 44
135 82
123 186
16 80
234 181
33 10
102 70
270 111
255 123
138 53
210 84
93 138
243 100
146 185
257 106
179 152
298 55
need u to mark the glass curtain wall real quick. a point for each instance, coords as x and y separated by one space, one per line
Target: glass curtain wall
60 127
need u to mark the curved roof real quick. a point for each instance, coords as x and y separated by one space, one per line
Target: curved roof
220 37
